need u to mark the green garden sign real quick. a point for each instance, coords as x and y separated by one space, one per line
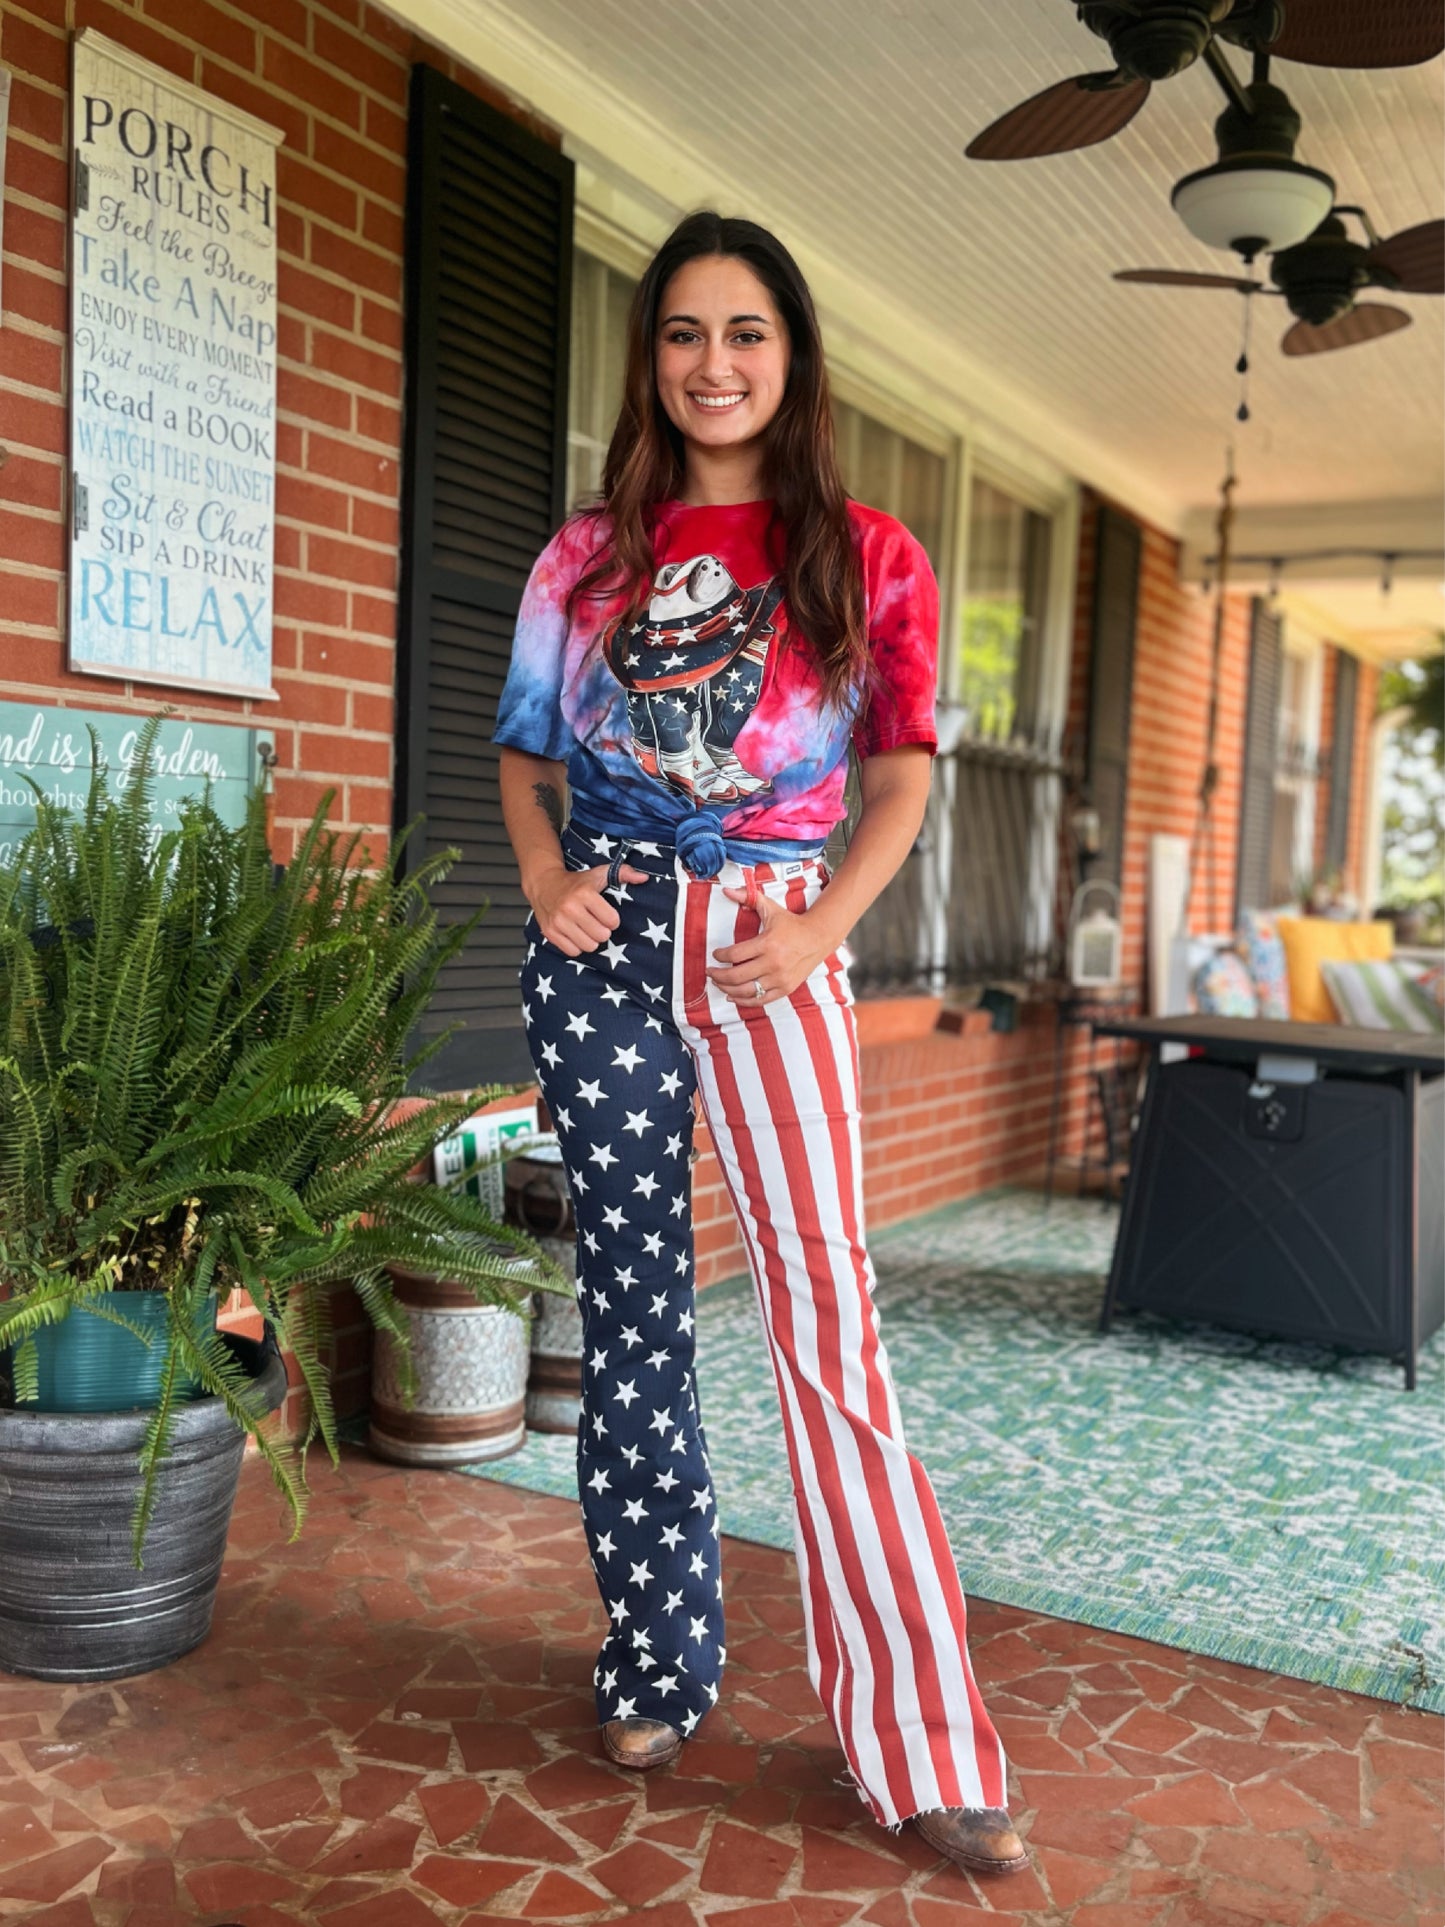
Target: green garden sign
53 748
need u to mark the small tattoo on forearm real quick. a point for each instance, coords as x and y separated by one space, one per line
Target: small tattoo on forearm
549 803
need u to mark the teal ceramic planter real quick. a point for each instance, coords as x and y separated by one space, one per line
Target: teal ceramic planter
87 1364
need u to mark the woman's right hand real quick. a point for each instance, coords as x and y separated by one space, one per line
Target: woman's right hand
572 912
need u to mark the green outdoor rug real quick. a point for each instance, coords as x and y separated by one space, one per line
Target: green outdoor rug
1280 1505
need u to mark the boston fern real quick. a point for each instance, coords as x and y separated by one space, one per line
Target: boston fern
200 1061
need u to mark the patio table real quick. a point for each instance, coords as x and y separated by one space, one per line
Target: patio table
1289 1179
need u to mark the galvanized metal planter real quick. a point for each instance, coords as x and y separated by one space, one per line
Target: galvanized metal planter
73 1605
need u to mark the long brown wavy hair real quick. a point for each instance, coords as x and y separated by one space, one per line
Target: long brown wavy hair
817 553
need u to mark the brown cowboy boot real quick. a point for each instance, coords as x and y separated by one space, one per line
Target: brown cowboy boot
979 1838
641 1743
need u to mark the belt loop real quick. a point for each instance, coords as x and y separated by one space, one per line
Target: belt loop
750 884
615 866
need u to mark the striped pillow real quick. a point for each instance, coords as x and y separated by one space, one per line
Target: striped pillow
1381 996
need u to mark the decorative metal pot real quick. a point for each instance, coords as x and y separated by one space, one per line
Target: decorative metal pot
537 1199
471 1369
72 1603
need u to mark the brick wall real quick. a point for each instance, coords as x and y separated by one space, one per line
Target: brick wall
1173 645
1172 653
333 75
1171 683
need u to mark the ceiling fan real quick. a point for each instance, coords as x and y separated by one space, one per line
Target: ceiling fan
1152 40
1256 197
1320 277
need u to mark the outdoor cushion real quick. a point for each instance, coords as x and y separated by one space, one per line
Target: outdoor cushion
1309 941
1429 976
1264 954
1222 987
1381 996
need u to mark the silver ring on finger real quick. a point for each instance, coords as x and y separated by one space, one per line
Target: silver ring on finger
758 991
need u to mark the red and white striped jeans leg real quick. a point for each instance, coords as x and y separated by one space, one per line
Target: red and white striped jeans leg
887 1640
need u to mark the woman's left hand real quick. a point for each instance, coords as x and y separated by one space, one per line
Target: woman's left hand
779 957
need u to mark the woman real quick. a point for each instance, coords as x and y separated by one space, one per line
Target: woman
691 661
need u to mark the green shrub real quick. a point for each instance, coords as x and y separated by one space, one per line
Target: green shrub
200 1053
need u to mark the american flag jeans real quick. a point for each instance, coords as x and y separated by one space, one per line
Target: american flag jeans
622 1038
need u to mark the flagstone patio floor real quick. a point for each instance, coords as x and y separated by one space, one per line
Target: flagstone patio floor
391 1725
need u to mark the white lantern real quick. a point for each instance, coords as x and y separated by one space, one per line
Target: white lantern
1096 940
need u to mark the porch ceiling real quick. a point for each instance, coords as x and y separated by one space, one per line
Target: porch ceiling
844 121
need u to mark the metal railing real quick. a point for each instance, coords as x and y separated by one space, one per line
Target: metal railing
973 899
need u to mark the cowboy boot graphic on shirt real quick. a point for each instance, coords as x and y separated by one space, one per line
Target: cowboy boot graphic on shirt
692 668
686 766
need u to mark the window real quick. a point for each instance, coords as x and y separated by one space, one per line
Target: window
1292 818
886 470
1000 794
600 300
893 940
1004 599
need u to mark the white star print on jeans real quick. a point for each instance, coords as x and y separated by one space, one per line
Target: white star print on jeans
638 1478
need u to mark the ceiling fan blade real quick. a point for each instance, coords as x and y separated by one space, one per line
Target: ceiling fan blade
1361 33
1072 113
1367 322
1415 256
1172 278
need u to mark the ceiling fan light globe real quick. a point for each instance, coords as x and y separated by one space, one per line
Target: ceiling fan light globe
1253 206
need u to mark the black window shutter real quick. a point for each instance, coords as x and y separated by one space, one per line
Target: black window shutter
1117 551
488 292
1342 759
1261 728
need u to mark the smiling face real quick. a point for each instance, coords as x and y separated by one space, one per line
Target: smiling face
722 353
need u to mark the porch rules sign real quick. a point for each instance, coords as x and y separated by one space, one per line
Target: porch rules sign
173 411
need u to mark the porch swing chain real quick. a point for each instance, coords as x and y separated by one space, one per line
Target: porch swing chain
1203 836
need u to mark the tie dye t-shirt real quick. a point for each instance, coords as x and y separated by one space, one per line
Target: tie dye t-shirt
711 703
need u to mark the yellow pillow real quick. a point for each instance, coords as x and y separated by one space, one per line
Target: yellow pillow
1309 942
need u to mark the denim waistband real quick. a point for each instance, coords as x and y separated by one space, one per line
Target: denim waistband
658 854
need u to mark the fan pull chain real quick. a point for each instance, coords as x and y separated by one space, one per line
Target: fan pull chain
1241 367
1201 842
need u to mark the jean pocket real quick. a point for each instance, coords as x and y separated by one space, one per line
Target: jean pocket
784 891
577 853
